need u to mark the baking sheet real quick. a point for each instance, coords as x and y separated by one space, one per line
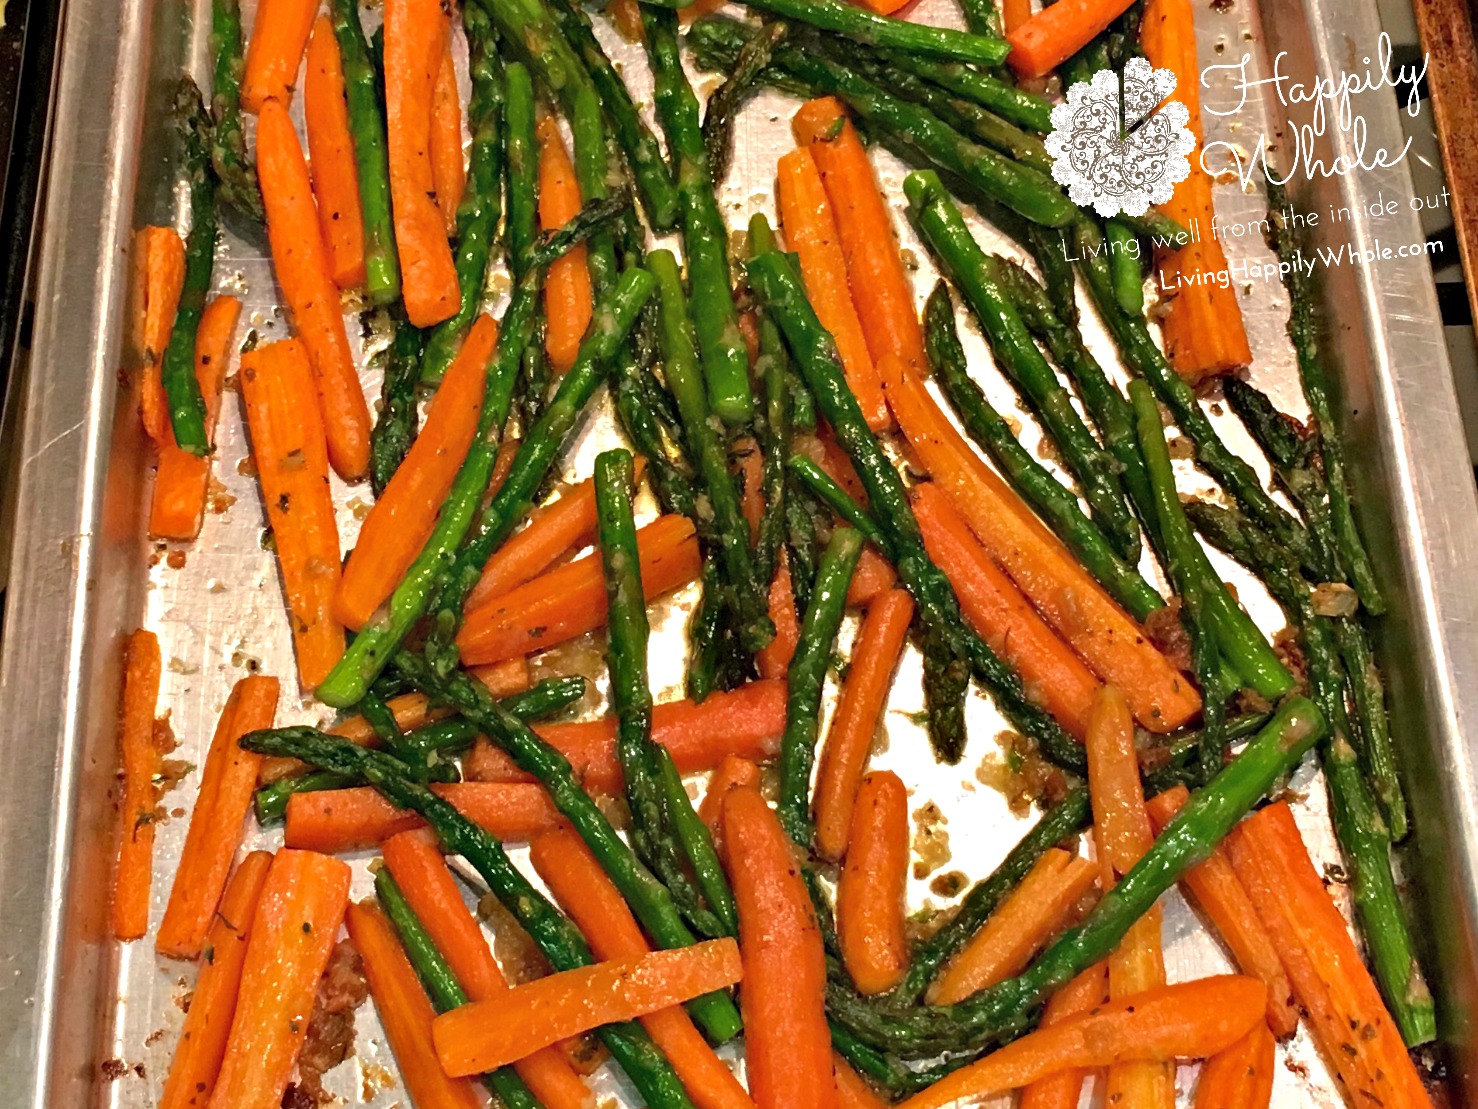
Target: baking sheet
86 573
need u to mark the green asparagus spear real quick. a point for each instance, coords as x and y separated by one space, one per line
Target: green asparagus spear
559 940
725 101
441 983
807 677
1025 109
944 230
270 802
705 235
946 683
428 575
695 839
522 153
1128 278
1237 637
177 365
477 215
863 26
1369 695
236 176
774 278
839 501
772 368
395 426
371 155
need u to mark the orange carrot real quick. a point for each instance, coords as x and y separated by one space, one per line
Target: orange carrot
1216 890
292 935
582 888
221 806
750 468
287 445
1014 13
873 881
853 1092
202 1043
875 575
158 276
784 996
331 158
1064 1089
571 600
484 1035
811 231
1189 1020
1041 906
567 297
552 531
302 269
859 710
1056 33
1203 326
773 659
1103 635
405 1012
404 514
879 281
512 675
746 722
448 170
278 38
182 479
1241 1076
139 759
1341 1004
432 892
416 34
1122 830
626 16
337 820
733 773
1002 617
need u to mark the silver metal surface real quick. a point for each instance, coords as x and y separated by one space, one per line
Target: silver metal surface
83 574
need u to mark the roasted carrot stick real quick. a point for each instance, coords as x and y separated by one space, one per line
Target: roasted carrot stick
552 531
582 888
875 575
182 479
484 1035
1241 1076
1341 1004
1203 326
302 269
292 935
1217 891
337 820
1064 1089
746 722
873 881
287 445
403 516
278 38
733 773
568 304
448 170
1002 617
158 276
416 33
571 600
139 759
331 158
1014 13
1056 33
878 279
1121 828
405 1012
859 710
853 1092
773 659
1038 909
226 787
1189 1020
422 875
811 232
783 999
202 1043
1112 644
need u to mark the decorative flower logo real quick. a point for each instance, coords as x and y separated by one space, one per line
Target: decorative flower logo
1119 143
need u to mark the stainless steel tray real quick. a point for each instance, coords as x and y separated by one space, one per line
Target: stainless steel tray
83 573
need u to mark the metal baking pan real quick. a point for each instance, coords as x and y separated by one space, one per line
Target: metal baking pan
83 574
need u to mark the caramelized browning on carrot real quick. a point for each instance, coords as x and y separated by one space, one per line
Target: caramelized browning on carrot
568 303
337 820
874 879
287 444
331 158
138 760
